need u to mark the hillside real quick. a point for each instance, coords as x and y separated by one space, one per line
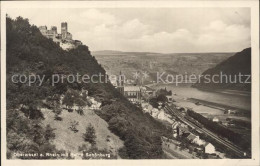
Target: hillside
31 129
238 63
69 141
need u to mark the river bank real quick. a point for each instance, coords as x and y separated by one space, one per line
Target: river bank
212 103
223 107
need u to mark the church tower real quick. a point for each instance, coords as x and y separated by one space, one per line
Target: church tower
120 83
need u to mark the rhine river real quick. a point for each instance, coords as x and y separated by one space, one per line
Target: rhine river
238 100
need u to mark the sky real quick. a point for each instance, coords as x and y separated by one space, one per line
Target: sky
163 30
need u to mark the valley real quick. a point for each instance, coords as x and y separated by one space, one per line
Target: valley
175 63
226 108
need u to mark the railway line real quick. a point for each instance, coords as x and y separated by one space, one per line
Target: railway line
237 150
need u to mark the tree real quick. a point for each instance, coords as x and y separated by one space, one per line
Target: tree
153 102
37 133
68 100
49 134
90 135
80 103
162 98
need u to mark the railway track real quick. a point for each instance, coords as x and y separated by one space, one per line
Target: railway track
237 150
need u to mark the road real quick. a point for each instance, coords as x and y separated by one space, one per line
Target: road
237 150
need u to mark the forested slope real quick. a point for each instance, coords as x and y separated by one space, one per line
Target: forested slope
30 53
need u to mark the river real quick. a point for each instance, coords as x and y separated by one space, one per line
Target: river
237 100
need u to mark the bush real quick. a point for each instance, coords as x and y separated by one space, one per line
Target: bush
73 126
80 112
57 118
32 113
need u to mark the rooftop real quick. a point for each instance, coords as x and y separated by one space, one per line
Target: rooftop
208 143
149 89
131 88
191 137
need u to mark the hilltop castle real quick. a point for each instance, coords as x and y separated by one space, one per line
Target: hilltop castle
64 39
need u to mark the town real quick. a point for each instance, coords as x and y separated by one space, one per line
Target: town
191 139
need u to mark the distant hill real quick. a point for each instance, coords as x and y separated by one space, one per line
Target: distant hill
238 63
115 52
172 63
30 53
106 52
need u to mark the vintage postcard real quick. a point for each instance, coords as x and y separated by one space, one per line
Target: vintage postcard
130 82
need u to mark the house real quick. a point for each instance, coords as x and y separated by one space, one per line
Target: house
113 82
161 115
175 134
146 107
209 148
175 125
231 112
148 90
149 108
154 112
95 105
132 93
169 98
190 137
195 139
181 130
215 119
84 93
198 141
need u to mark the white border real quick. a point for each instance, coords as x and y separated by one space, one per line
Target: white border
139 4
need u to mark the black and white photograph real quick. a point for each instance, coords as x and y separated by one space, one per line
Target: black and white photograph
126 81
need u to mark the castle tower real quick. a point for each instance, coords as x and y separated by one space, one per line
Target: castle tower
64 30
54 29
